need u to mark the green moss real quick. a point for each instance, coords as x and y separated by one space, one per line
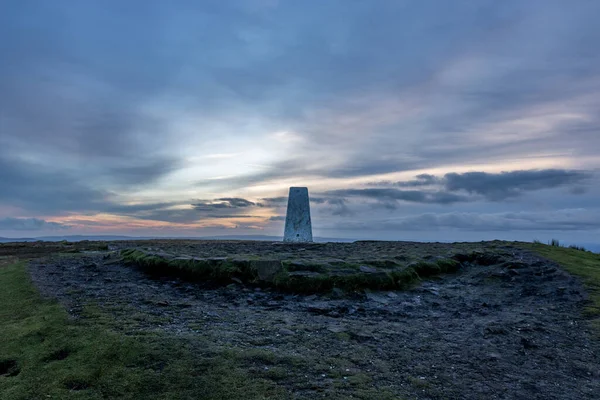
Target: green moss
294 276
48 355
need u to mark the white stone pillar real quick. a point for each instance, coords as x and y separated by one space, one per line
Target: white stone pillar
298 227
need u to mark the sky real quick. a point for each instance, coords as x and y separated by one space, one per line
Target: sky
426 120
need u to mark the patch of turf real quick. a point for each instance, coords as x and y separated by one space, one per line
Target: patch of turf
294 276
45 354
581 263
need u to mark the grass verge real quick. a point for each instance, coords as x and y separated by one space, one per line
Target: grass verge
46 355
581 263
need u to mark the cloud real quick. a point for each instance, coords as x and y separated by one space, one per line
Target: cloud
277 218
30 224
222 203
556 220
132 209
124 120
336 205
496 187
421 180
268 201
394 195
237 202
491 186
145 171
41 189
232 216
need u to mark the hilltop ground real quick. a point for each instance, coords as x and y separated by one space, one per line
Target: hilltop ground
204 319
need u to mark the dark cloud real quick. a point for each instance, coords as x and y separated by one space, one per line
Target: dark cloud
30 224
275 202
39 189
277 218
237 202
144 173
496 187
336 205
179 216
555 220
421 180
491 186
132 209
387 195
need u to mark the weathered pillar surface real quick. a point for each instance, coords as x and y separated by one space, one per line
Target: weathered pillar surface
298 227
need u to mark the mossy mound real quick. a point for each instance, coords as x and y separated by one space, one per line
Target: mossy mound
288 275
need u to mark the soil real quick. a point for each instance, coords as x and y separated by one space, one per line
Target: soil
511 330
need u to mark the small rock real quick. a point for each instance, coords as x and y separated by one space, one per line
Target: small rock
237 280
377 297
362 336
528 344
267 269
319 308
336 329
368 270
433 290
495 328
287 332
392 295
182 258
337 293
305 274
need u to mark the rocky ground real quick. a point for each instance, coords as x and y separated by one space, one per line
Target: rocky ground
511 330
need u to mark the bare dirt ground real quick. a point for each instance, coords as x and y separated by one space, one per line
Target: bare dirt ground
511 330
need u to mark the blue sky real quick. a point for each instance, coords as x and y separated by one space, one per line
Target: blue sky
409 120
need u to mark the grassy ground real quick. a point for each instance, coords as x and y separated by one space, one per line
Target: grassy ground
44 355
583 264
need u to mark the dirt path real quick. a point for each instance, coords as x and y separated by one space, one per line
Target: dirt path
488 332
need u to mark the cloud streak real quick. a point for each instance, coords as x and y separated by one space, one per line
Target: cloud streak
490 186
30 224
558 220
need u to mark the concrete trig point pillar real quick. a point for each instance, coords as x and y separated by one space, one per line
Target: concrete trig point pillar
298 227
